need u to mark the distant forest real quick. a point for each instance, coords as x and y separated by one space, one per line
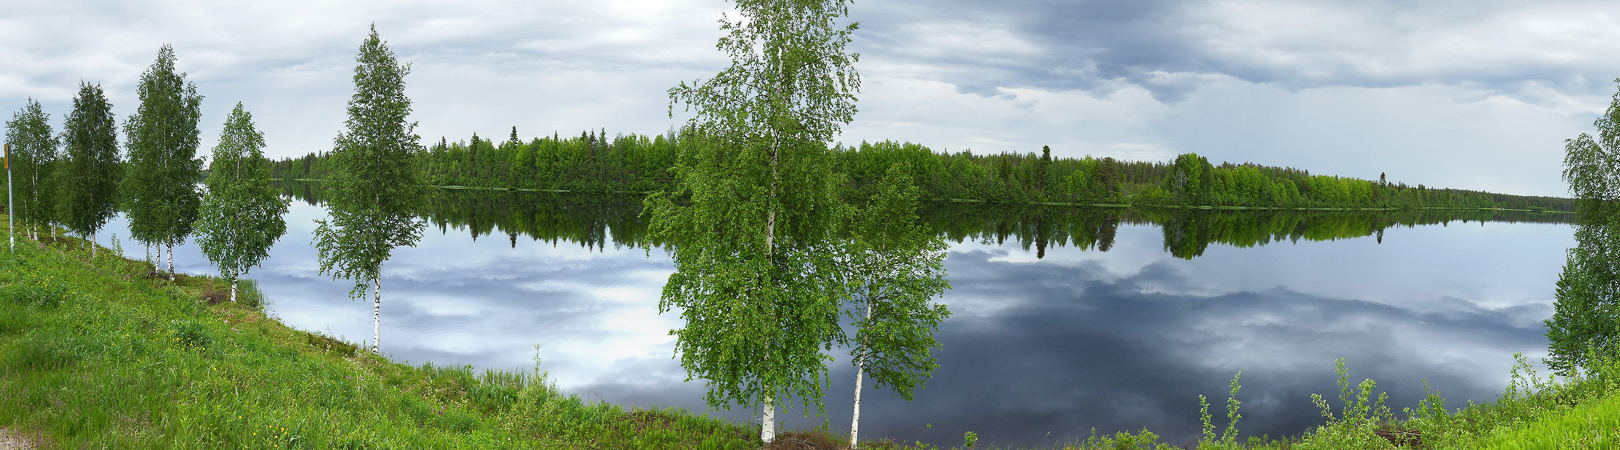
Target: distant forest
593 163
602 221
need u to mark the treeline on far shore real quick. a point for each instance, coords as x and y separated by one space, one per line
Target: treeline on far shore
603 221
594 163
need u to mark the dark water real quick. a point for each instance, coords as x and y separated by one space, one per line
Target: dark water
1065 320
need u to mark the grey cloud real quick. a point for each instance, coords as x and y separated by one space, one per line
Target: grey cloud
1087 44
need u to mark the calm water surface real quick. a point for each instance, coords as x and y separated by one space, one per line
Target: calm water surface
1044 345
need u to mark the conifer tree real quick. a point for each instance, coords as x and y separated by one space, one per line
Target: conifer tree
88 176
374 187
241 215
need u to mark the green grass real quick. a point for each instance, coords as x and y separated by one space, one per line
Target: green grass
1581 411
94 354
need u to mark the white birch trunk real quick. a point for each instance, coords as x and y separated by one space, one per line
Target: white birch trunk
376 314
860 371
149 254
767 429
855 423
233 291
92 244
171 263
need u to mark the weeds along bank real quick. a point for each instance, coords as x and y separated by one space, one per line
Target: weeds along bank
1580 411
95 354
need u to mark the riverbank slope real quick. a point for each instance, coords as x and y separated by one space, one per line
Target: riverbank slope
97 352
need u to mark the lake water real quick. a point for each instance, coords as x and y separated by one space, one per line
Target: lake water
1047 341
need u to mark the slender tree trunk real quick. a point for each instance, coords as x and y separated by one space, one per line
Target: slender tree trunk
233 287
860 371
149 254
376 314
767 429
92 244
171 262
855 423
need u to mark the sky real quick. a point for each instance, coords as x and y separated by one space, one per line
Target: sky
1463 94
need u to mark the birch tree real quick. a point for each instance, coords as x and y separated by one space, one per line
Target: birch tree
241 214
1586 312
374 187
893 268
33 147
89 175
159 192
751 218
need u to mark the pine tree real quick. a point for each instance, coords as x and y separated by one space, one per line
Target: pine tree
374 187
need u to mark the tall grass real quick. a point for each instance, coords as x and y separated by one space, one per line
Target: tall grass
94 354
1579 411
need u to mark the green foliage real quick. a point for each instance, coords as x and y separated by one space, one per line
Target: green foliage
892 268
89 175
750 221
594 221
374 187
1586 314
159 192
33 154
1228 438
1358 421
591 162
241 213
135 363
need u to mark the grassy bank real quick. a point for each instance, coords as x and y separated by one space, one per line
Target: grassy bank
1578 412
96 353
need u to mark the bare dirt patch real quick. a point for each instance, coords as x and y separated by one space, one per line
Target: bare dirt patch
11 440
